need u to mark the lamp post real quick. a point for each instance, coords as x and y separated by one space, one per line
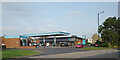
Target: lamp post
98 26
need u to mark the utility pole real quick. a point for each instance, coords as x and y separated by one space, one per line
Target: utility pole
98 26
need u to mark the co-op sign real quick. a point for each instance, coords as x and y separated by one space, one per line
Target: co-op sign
84 41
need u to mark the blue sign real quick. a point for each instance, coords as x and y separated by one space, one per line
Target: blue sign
84 42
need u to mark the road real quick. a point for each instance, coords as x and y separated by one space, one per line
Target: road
81 54
71 53
56 50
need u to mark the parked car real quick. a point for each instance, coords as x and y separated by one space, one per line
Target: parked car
79 46
64 44
96 45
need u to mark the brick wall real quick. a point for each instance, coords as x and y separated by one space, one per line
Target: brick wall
2 39
15 43
12 42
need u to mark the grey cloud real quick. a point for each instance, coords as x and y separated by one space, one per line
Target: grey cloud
16 9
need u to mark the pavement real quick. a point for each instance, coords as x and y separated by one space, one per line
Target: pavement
105 55
83 54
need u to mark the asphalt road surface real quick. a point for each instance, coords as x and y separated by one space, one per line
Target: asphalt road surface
67 50
56 50
60 50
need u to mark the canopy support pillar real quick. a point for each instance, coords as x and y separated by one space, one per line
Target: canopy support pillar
55 40
44 41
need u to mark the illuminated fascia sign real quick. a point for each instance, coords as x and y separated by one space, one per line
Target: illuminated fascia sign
83 36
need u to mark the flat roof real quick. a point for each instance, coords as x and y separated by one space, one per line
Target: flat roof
15 36
12 36
38 35
48 34
69 36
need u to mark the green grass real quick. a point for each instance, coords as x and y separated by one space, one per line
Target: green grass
12 53
0 54
95 48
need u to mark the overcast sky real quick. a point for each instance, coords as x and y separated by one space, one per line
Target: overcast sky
78 18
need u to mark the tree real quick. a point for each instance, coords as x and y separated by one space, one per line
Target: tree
97 42
110 31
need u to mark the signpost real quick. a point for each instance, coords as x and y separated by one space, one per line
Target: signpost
83 36
84 39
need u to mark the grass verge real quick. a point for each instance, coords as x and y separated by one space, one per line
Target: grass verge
95 48
12 53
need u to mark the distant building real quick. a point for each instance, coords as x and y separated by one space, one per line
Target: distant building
95 38
90 40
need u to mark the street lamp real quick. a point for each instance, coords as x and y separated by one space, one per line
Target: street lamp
98 26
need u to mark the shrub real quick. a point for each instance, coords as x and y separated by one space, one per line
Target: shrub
89 43
104 45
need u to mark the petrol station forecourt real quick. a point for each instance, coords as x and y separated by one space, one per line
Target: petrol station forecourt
49 50
42 39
